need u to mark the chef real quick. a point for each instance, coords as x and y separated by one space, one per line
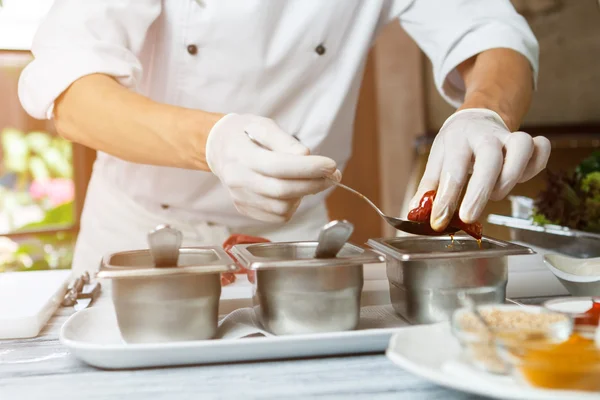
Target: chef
168 91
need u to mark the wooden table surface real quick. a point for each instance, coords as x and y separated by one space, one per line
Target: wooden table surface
41 368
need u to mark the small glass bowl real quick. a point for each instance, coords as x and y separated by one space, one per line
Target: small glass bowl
479 346
556 362
576 309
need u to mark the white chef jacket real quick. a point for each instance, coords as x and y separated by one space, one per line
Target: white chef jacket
298 62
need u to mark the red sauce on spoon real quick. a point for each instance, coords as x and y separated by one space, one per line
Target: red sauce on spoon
422 213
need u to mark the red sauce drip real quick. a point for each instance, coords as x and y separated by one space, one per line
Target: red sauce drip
591 316
422 213
228 277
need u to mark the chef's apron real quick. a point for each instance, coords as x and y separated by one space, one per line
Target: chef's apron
112 222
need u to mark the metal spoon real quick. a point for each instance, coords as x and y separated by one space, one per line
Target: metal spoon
332 238
413 227
515 302
416 228
164 243
468 302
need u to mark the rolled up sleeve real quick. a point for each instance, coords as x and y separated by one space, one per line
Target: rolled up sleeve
451 31
79 38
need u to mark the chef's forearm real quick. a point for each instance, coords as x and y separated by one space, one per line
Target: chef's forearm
98 112
500 80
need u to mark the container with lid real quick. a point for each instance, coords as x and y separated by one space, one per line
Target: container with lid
166 293
426 273
295 293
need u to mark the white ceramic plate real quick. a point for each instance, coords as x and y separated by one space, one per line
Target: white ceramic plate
569 305
574 269
431 352
92 335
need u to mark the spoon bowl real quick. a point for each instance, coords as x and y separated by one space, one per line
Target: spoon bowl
332 238
404 225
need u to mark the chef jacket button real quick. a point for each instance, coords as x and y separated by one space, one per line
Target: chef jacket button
164 206
192 49
320 49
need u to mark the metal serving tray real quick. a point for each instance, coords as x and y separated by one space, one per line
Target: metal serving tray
551 237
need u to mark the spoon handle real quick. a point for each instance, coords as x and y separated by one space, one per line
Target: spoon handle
365 198
469 303
164 243
332 238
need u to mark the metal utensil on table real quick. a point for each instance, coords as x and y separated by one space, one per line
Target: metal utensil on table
81 293
332 238
413 227
74 288
515 302
88 294
164 243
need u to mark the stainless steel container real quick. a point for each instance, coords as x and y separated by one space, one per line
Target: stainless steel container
551 237
294 293
165 304
425 274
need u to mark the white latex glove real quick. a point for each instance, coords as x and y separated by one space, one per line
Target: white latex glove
477 141
265 185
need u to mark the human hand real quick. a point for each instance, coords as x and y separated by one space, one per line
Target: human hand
266 185
477 140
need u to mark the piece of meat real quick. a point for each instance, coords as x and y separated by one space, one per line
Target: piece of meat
228 244
422 213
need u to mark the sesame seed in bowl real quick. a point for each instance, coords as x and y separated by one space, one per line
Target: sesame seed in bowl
511 322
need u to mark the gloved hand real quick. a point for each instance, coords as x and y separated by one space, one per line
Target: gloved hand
477 140
265 185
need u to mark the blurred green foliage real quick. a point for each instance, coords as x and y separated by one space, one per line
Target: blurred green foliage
30 159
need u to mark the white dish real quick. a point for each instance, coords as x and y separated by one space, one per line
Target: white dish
28 300
573 306
577 275
574 269
92 335
431 352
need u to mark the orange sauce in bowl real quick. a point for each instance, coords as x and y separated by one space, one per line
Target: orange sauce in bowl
573 364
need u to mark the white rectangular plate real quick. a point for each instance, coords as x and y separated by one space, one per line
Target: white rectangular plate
431 352
92 335
28 300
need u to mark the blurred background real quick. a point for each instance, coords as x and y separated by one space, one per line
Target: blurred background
43 178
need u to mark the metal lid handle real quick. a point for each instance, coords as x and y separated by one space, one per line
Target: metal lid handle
165 242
